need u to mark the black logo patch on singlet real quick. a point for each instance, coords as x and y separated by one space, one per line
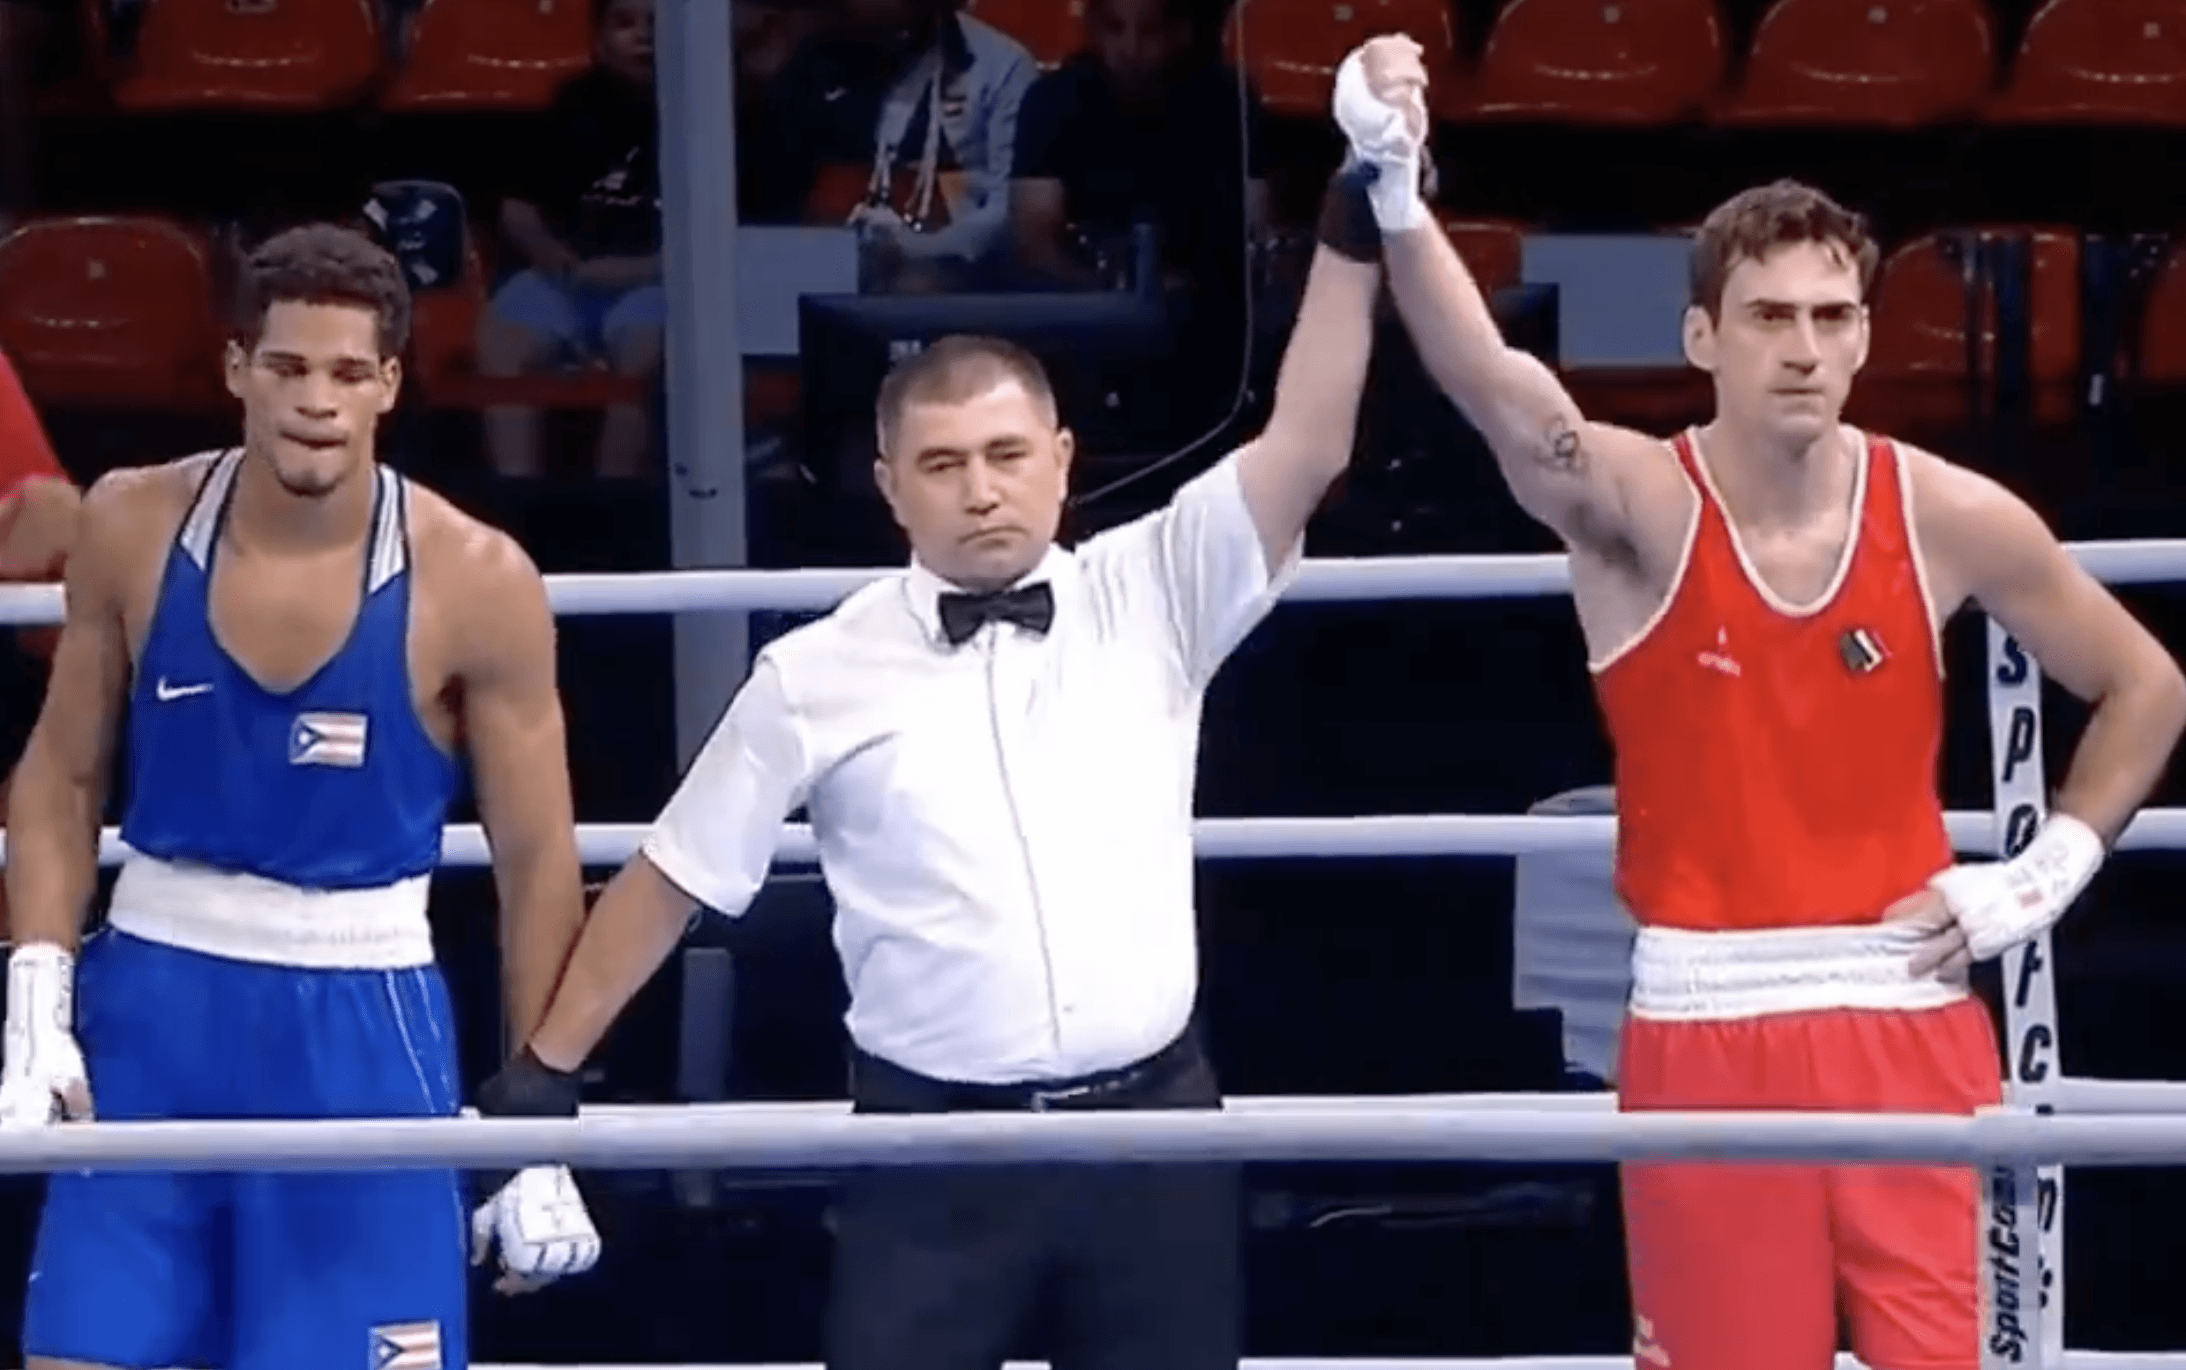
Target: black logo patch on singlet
1861 650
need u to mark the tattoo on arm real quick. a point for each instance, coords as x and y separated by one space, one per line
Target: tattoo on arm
1564 453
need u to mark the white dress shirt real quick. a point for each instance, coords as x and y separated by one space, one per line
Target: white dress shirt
1005 826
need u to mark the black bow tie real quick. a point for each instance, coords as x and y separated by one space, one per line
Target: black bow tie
1030 606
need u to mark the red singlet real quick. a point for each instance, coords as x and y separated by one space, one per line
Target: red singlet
1776 767
1776 792
24 451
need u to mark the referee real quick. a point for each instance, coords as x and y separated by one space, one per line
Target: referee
997 748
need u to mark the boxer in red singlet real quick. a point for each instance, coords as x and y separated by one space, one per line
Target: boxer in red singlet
38 514
38 504
1761 601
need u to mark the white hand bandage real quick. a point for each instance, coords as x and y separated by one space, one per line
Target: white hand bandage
1382 136
2003 903
41 1068
538 1219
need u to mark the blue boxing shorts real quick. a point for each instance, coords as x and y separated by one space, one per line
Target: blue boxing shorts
266 1271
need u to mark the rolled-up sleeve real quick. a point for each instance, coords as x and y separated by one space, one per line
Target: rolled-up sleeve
716 838
1205 551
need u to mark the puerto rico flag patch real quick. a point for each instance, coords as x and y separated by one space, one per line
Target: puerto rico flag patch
324 739
406 1346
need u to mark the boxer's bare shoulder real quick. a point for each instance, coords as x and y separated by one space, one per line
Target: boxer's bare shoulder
480 624
478 606
1954 510
128 523
1981 544
1977 540
473 583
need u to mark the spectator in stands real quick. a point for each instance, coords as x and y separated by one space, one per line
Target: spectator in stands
901 118
768 33
1147 125
38 510
586 218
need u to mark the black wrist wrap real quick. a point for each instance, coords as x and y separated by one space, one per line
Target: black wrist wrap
528 1087
1347 226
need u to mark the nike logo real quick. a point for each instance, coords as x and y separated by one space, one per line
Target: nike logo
166 693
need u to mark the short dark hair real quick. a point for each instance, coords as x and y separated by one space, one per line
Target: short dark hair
1752 223
957 368
323 264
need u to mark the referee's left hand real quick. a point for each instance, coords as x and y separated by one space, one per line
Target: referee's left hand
539 1221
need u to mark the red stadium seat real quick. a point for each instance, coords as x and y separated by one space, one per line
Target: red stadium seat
444 333
1051 30
293 56
2163 329
1858 63
1919 311
2099 62
112 311
1292 47
1493 250
492 54
1600 62
1917 368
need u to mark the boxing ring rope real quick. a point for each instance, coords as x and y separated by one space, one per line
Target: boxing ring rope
1297 1130
2052 1119
2073 1360
1383 835
1320 580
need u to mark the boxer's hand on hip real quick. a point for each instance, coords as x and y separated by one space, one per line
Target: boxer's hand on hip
42 1076
539 1221
1940 950
2003 903
1381 105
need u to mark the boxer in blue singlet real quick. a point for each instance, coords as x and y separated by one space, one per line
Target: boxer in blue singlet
302 643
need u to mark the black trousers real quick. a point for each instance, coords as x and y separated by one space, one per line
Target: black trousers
1123 1267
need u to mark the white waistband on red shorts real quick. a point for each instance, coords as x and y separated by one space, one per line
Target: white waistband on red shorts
1698 976
250 918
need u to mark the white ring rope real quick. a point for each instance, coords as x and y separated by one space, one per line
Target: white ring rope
2072 1360
2084 1097
674 1137
1322 580
1374 835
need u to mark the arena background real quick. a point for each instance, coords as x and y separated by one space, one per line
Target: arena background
2031 322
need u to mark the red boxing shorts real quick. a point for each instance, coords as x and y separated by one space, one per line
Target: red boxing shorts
1738 1266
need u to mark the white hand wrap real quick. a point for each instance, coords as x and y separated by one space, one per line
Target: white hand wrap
40 1064
538 1219
2003 903
1381 136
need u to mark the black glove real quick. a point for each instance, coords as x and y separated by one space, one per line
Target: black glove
528 1087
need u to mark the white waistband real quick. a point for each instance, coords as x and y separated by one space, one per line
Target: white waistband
250 918
1678 974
